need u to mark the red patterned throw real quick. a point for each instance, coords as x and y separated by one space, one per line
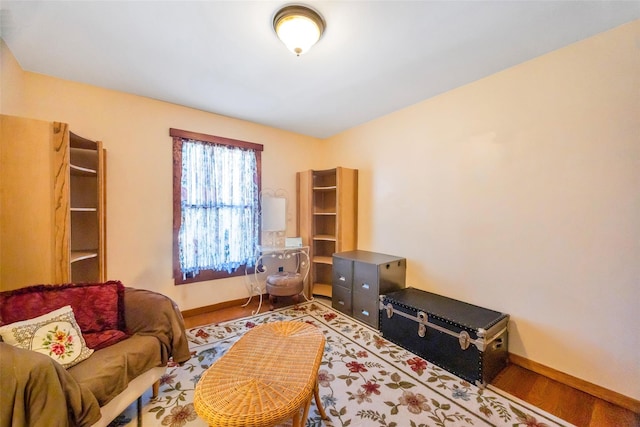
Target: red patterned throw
98 308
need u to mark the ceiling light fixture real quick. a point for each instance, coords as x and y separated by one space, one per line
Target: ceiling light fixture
298 27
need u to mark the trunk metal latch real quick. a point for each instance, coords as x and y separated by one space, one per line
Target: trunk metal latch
423 319
389 309
464 339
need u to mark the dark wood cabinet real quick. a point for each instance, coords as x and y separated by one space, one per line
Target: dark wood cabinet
360 277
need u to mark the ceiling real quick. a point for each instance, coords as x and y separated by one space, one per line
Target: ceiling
223 57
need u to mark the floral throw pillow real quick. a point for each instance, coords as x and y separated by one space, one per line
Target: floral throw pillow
55 334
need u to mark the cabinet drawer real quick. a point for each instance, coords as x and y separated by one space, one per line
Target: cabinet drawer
366 310
342 272
341 299
366 290
365 277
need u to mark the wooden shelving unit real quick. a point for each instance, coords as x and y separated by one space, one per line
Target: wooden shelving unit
327 219
86 166
52 224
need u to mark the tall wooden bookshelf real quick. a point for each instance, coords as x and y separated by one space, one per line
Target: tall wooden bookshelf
87 207
327 220
52 221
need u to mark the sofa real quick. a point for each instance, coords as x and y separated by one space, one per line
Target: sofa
79 354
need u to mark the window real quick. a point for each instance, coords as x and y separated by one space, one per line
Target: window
216 188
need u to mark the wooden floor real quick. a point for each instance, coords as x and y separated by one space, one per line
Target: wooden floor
572 405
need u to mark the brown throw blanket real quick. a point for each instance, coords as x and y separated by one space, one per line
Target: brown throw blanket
36 391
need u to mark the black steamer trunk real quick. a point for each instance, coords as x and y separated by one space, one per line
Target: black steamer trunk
466 340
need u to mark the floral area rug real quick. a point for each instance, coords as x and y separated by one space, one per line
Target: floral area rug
364 381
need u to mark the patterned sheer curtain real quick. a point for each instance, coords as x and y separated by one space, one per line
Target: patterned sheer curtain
220 208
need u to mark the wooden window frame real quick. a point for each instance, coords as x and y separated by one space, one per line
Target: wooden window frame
178 135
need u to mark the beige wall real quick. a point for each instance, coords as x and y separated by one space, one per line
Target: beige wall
135 132
521 192
518 192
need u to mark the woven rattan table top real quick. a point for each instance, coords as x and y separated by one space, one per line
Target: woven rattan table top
264 378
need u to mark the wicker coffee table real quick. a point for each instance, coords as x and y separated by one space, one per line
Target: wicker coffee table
267 377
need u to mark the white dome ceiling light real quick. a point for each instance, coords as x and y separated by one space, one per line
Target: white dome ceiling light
298 27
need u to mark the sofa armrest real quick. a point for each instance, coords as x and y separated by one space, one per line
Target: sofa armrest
35 390
150 313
